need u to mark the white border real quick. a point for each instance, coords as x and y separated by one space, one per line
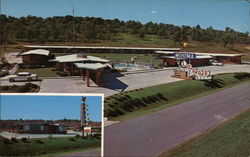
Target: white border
56 94
70 94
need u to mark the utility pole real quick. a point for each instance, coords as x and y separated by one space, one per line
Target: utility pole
84 114
73 28
0 7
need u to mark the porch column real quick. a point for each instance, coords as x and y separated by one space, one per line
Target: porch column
98 75
83 75
87 72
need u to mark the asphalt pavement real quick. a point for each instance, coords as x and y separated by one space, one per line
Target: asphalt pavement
153 134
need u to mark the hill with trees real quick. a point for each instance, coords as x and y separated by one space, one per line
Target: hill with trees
91 31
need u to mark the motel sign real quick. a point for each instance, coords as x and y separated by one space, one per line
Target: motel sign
184 55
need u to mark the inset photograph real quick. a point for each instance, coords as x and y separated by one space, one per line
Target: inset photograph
50 125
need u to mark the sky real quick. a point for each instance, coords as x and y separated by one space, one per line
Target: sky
216 13
48 107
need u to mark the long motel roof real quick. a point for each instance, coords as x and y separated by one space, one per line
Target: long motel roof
91 66
77 58
103 47
36 52
203 54
197 57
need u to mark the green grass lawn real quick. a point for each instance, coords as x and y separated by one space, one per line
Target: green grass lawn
66 152
41 72
143 101
230 139
54 145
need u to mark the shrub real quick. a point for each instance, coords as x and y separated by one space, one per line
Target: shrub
39 141
77 136
24 140
127 96
23 88
160 96
72 139
150 99
5 87
241 76
144 99
214 83
14 140
61 73
6 141
138 102
117 111
31 85
127 105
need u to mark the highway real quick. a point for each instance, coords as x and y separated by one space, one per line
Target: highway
153 134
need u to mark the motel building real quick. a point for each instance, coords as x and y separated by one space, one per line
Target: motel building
39 128
201 59
90 67
36 57
100 49
94 129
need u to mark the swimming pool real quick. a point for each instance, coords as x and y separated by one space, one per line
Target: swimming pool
130 67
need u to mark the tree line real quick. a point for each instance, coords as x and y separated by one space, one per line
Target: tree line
89 29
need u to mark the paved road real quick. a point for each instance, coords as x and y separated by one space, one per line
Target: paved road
155 133
89 153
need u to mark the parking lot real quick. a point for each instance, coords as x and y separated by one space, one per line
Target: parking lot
113 83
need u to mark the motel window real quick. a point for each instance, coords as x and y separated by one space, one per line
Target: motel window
42 128
61 128
26 127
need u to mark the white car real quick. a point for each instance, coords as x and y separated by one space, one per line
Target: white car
23 76
217 63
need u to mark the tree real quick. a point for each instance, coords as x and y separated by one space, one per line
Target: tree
177 37
142 33
227 39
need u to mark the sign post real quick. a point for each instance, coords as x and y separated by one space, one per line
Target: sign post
84 114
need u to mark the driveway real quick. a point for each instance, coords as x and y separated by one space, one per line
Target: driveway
155 133
115 83
61 85
12 58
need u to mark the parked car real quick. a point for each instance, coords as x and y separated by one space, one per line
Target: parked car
23 76
3 73
217 63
